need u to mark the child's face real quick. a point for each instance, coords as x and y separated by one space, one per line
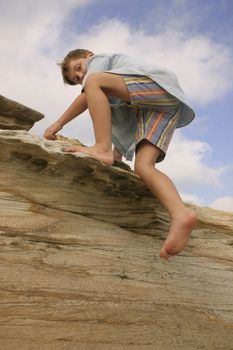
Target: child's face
77 70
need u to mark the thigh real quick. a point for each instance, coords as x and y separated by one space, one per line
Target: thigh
112 84
146 93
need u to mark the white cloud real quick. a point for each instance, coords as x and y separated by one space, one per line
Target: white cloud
223 203
202 65
191 199
185 164
29 27
33 42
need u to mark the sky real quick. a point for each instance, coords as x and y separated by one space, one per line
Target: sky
191 37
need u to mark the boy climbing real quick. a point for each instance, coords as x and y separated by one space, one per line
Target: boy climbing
137 107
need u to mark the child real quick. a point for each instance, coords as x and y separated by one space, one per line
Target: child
137 107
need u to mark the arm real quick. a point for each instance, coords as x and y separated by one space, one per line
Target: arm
78 106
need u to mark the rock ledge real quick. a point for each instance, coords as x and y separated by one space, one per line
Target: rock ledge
79 265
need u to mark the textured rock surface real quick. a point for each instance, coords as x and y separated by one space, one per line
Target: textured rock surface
14 115
79 265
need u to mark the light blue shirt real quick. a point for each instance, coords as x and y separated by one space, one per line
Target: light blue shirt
124 123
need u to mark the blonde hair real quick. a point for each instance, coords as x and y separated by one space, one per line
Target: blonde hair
78 53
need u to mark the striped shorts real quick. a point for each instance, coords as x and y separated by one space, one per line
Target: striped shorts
157 111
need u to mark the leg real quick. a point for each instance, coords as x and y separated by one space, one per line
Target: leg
98 87
183 219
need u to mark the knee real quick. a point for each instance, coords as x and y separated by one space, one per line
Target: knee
144 168
94 80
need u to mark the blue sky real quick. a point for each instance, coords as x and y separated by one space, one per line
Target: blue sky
192 37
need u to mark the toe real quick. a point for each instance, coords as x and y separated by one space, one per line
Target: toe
164 254
69 149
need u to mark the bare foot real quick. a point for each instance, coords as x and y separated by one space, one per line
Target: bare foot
95 151
180 230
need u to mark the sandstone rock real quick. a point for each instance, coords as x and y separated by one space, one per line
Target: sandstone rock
14 115
79 265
